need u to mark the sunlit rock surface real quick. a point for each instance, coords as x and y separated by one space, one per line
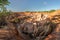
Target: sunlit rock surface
31 26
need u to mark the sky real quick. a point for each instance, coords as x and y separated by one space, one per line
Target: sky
33 5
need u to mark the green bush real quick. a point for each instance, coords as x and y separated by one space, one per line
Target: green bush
51 10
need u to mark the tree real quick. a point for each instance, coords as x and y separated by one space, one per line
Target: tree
3 13
3 3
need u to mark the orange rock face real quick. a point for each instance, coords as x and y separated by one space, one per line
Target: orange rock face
55 35
29 17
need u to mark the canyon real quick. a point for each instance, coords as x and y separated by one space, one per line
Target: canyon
31 26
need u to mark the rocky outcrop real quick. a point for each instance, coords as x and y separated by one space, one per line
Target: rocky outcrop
31 26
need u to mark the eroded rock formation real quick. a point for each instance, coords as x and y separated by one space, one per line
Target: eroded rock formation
28 27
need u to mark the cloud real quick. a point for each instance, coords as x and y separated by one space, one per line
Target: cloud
45 3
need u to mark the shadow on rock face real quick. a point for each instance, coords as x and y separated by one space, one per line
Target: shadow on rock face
37 30
55 35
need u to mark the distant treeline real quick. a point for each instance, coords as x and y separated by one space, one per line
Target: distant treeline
42 11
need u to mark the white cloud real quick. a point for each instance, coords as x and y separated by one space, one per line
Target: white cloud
45 3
